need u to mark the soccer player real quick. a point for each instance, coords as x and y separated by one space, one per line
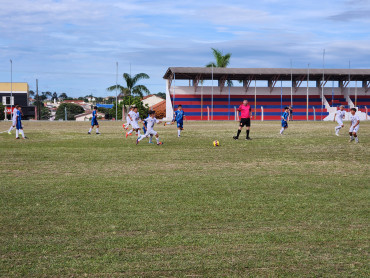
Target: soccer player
284 120
179 116
94 121
128 120
355 125
135 116
131 116
14 119
151 120
245 119
339 116
19 127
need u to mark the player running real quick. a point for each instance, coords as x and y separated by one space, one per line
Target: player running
151 120
131 116
339 116
18 126
135 116
179 116
128 120
14 119
94 121
284 120
245 119
355 125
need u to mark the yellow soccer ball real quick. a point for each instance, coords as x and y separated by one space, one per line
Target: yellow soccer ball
216 143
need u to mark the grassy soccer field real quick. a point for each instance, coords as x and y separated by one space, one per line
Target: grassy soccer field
100 206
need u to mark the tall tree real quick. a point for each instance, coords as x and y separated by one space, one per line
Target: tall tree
54 96
132 88
63 96
222 61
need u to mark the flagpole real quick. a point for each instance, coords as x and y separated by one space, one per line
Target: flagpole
212 94
322 86
255 98
291 83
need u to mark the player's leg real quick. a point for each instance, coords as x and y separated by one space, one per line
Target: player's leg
248 124
22 133
11 128
97 129
350 134
151 139
91 128
241 124
17 133
157 138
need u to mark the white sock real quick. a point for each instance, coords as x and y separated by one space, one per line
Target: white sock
17 133
150 138
356 139
351 137
138 133
281 130
141 138
157 138
178 132
90 129
97 130
22 132
130 131
11 128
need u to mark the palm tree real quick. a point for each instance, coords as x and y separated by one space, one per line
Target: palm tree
131 85
222 61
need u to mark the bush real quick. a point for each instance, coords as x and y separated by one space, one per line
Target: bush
72 111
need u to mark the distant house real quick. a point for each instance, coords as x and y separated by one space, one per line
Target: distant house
87 116
151 100
160 109
84 105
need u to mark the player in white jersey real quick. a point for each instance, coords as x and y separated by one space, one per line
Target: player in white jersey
355 125
339 116
131 116
150 132
128 120
135 121
14 119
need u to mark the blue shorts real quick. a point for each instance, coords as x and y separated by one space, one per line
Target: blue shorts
180 124
94 121
19 125
284 123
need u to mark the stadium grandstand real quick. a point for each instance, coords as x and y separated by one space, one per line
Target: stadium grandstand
314 94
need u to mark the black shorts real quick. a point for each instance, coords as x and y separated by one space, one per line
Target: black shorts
245 122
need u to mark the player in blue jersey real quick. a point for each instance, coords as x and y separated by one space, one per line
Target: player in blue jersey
18 126
284 120
179 116
94 121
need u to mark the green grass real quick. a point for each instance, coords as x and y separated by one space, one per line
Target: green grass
100 206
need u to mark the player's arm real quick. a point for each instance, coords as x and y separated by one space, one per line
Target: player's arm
250 112
334 117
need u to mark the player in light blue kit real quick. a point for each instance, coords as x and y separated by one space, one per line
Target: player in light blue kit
179 116
284 120
94 121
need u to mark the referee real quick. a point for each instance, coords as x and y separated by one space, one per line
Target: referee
245 119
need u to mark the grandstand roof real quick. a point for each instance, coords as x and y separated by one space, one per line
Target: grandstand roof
265 73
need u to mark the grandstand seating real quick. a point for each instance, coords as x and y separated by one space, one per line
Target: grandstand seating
337 101
272 105
362 101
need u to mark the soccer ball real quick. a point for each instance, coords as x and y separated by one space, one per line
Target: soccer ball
216 143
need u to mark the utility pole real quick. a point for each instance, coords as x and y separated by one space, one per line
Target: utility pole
11 89
117 89
38 100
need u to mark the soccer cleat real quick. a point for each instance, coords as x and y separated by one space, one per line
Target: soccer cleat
159 143
9 133
350 140
248 138
89 133
25 137
336 134
123 126
235 137
16 137
126 134
137 141
150 142
98 133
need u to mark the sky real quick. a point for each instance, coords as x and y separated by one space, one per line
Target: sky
72 46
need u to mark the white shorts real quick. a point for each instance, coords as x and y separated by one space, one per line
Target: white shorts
14 121
355 130
135 125
150 132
